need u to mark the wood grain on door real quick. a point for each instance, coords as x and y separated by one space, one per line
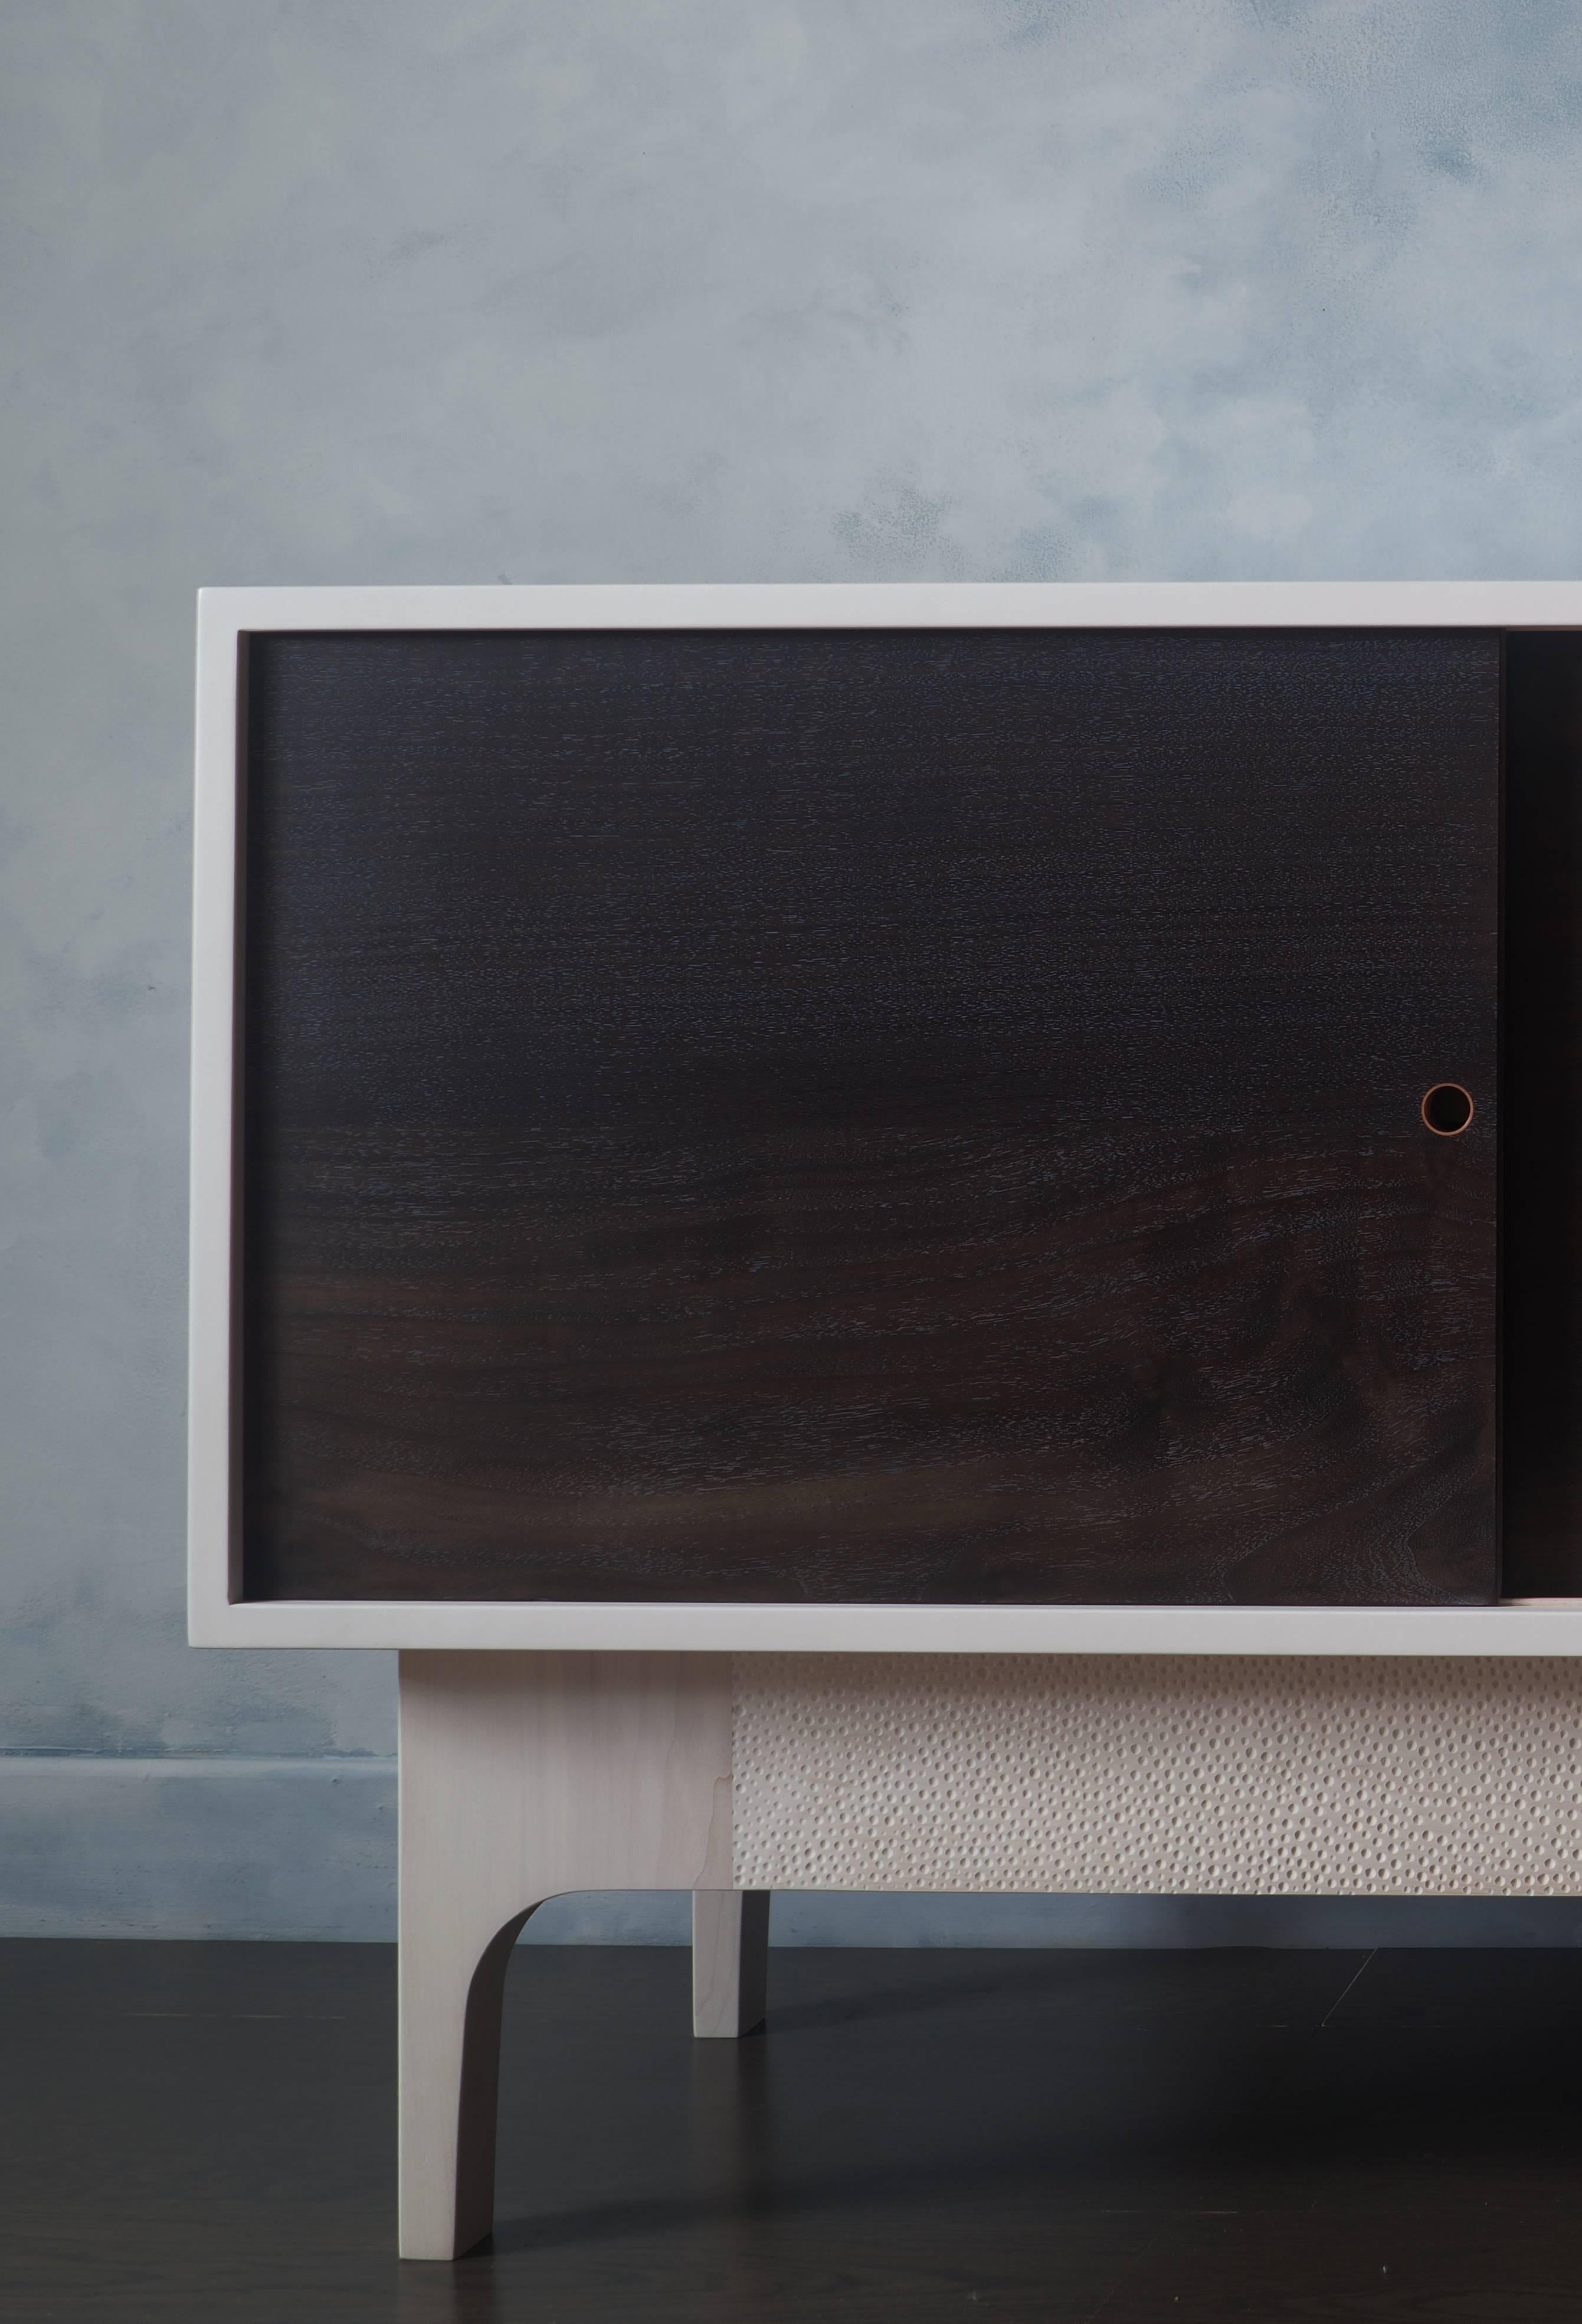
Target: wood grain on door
871 1116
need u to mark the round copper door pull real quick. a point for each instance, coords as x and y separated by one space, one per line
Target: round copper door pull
1447 1109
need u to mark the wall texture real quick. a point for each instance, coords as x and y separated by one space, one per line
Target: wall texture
627 290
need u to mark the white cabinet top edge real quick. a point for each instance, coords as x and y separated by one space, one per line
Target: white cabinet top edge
921 604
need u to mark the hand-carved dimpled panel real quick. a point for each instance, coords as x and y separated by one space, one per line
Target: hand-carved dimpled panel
1165 1774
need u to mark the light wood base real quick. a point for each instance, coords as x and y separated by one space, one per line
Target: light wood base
525 1776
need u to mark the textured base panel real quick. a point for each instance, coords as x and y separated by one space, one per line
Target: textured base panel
1235 1776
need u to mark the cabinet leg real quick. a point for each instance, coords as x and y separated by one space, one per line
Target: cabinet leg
449 2036
730 1961
524 1776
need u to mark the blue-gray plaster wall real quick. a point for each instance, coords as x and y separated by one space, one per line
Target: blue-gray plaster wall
632 289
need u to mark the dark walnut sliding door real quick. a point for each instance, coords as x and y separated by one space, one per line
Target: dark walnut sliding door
871 1116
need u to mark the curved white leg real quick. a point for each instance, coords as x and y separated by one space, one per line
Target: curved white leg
449 2012
523 1776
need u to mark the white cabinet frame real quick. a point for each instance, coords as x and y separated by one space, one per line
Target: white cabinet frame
217 1617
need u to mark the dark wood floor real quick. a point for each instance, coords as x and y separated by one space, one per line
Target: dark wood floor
207 2132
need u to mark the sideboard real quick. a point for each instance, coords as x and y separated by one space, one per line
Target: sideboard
858 1215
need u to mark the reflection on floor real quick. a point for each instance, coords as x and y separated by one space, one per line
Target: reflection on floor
207 2132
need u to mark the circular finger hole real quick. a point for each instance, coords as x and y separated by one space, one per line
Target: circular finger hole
1448 1109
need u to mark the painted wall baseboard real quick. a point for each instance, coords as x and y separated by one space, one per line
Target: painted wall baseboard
305 1849
197 1848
